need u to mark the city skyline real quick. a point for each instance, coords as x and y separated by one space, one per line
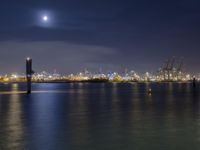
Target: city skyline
72 35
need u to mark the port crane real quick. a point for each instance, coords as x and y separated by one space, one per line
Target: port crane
171 70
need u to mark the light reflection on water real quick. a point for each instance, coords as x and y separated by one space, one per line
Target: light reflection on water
11 122
100 116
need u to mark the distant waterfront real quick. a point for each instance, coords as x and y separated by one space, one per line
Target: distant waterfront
94 81
131 76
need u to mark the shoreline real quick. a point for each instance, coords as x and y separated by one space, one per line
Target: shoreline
122 82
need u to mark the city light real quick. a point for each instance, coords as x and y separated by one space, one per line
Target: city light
130 76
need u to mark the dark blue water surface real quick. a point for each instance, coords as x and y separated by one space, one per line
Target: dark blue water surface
100 116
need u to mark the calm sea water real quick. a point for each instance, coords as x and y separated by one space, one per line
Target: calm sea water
100 116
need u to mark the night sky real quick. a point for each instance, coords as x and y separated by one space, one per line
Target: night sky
108 34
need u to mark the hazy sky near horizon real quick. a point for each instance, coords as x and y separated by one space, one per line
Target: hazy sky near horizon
108 34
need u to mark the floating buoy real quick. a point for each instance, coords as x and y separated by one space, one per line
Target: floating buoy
149 91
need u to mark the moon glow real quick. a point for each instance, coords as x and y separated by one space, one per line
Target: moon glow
45 18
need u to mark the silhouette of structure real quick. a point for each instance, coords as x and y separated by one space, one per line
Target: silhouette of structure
29 73
172 70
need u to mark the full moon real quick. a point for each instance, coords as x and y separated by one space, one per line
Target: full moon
45 18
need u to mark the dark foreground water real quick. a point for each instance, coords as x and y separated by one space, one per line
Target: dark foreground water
100 116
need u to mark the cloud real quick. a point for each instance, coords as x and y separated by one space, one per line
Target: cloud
65 57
